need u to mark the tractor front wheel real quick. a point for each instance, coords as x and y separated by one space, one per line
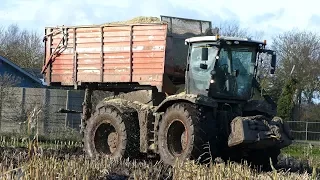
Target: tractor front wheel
183 134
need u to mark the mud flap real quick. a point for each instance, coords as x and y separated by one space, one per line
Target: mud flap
259 132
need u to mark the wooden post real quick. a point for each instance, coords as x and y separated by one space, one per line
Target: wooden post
23 107
307 124
87 108
45 111
66 123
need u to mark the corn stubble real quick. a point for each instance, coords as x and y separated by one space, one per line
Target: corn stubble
19 165
65 160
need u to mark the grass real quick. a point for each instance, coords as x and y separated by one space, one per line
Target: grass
19 142
301 157
302 150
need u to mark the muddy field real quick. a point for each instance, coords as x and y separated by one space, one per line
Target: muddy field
71 163
64 159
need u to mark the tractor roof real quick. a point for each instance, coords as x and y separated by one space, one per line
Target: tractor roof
215 38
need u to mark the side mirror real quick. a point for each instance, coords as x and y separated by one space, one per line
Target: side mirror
236 73
273 60
203 66
272 70
204 54
273 63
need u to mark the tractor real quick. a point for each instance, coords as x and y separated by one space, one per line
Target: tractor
179 93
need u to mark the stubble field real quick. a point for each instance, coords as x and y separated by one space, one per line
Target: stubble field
65 160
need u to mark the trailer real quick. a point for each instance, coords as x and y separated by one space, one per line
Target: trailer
198 86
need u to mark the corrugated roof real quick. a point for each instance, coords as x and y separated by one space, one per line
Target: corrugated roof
20 69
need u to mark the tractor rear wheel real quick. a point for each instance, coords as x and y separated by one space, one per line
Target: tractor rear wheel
111 133
184 134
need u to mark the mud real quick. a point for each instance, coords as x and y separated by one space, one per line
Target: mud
115 176
257 130
291 164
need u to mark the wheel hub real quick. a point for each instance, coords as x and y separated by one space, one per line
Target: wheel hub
113 141
177 139
184 140
106 139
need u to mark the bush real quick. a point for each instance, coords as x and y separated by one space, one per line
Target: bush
285 103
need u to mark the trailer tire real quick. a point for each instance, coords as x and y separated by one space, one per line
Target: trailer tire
111 133
183 134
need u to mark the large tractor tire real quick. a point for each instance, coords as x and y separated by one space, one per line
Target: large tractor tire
111 133
184 133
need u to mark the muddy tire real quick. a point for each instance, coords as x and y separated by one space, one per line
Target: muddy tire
183 134
111 133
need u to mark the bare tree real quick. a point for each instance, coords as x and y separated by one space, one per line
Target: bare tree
8 80
233 28
299 51
22 47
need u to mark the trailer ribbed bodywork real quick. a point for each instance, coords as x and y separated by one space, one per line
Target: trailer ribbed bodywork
122 53
152 54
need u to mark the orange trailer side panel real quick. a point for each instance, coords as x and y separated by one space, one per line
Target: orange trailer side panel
122 53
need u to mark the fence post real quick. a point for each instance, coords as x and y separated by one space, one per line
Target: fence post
45 103
66 123
23 109
307 124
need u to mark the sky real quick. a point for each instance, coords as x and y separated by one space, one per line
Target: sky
272 16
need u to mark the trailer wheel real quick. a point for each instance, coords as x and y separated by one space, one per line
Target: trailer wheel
111 133
183 134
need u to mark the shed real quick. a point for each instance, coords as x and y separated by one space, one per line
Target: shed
26 79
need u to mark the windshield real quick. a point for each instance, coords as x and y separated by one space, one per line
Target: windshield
199 79
234 72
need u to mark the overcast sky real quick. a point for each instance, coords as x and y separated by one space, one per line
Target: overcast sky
271 17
